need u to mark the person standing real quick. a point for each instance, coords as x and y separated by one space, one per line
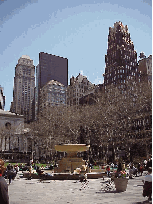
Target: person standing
108 171
4 198
119 168
9 172
147 188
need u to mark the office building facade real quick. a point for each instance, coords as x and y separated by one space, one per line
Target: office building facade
50 67
121 58
2 98
52 94
145 68
24 84
78 87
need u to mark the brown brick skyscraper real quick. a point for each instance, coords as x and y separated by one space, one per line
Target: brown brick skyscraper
121 58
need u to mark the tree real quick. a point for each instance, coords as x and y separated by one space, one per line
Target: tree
109 124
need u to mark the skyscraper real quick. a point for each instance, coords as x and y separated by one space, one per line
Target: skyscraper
24 84
121 58
51 67
2 98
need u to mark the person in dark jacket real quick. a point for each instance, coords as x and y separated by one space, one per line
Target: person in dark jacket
119 167
4 198
9 172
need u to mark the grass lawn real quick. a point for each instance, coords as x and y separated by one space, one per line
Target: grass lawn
95 167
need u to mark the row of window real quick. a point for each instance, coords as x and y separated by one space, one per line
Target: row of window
53 99
26 61
121 81
121 71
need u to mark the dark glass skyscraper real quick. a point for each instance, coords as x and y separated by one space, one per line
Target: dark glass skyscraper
51 67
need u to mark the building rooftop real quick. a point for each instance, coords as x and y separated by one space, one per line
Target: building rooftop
8 113
54 82
25 57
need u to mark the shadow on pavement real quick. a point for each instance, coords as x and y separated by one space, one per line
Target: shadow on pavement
146 201
108 191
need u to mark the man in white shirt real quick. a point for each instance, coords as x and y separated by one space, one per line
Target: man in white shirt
147 188
148 177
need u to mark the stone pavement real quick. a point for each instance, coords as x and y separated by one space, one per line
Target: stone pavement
22 191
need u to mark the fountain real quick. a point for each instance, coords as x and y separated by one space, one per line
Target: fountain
70 167
71 162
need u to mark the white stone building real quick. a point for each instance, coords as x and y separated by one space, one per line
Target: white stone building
53 93
11 133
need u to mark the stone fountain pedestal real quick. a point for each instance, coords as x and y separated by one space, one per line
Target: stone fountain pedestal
71 162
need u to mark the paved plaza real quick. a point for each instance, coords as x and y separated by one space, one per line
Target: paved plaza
22 191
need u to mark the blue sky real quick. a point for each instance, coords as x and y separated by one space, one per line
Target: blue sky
77 30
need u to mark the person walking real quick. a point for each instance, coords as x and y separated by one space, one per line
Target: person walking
4 198
147 188
9 175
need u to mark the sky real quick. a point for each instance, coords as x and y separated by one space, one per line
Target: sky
76 30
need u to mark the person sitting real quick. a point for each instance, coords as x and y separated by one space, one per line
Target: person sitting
147 188
42 166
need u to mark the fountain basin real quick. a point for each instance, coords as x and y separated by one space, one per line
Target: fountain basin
71 162
72 147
